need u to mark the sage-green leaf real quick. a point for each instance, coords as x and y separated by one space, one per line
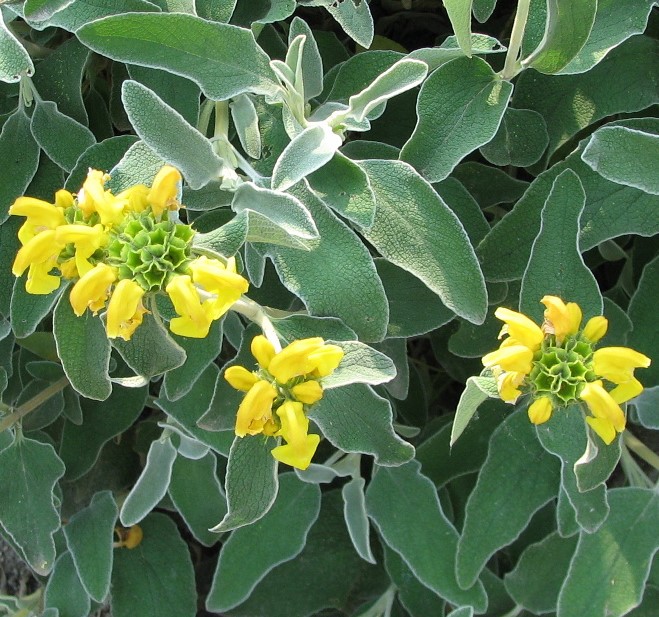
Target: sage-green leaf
312 63
647 407
251 482
554 96
465 207
459 109
354 512
253 551
556 266
429 242
488 185
568 26
89 536
27 310
139 165
306 153
41 10
344 186
20 155
360 364
615 22
459 12
540 573
516 480
624 156
64 590
81 444
30 471
520 141
226 239
181 144
214 10
405 508
138 352
222 60
156 577
84 349
246 121
477 391
645 333
356 20
152 484
565 435
610 567
349 287
355 419
9 246
196 492
14 59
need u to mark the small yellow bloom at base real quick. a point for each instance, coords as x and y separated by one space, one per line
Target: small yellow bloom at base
601 405
93 289
596 328
540 410
125 310
308 392
603 428
263 350
256 409
240 378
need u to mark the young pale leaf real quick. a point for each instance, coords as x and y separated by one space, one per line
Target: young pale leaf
356 20
509 490
64 590
14 60
556 266
360 364
642 312
197 494
614 562
540 573
89 535
354 512
223 60
181 144
625 156
614 23
156 577
152 484
30 471
81 444
20 155
312 63
251 482
84 349
308 151
405 508
568 26
349 287
430 242
246 121
459 12
355 419
459 109
253 551
284 210
477 390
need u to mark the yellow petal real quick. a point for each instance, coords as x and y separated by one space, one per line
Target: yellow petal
94 198
125 310
263 350
303 357
617 364
194 320
517 358
308 392
93 289
86 241
38 212
601 405
326 360
299 455
508 386
134 198
39 249
40 281
540 410
561 319
596 328
63 199
300 447
240 378
255 409
520 327
603 428
626 391
163 192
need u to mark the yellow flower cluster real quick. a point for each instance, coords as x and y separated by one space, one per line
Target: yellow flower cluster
557 364
279 390
120 247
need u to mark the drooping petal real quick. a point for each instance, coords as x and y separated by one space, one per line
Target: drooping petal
263 350
617 364
300 446
626 391
162 195
194 321
240 378
125 310
93 289
540 410
326 360
255 409
38 250
603 427
86 241
308 392
601 404
520 327
517 358
40 215
508 386
596 328
298 456
39 280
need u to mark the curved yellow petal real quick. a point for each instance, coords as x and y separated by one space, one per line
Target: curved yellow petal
194 320
298 455
508 386
517 358
255 409
125 310
39 249
540 410
617 364
263 350
603 427
595 328
626 391
240 378
601 405
39 280
300 447
93 289
520 327
304 357
561 319
163 192
308 392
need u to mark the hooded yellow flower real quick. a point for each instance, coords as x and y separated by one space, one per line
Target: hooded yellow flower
162 195
561 319
195 318
255 411
310 356
125 310
93 289
300 447
220 280
94 198
40 216
86 241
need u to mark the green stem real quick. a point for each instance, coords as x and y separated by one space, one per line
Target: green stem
641 450
33 403
634 474
511 68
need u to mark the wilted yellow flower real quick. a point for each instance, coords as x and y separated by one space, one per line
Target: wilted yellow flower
125 310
